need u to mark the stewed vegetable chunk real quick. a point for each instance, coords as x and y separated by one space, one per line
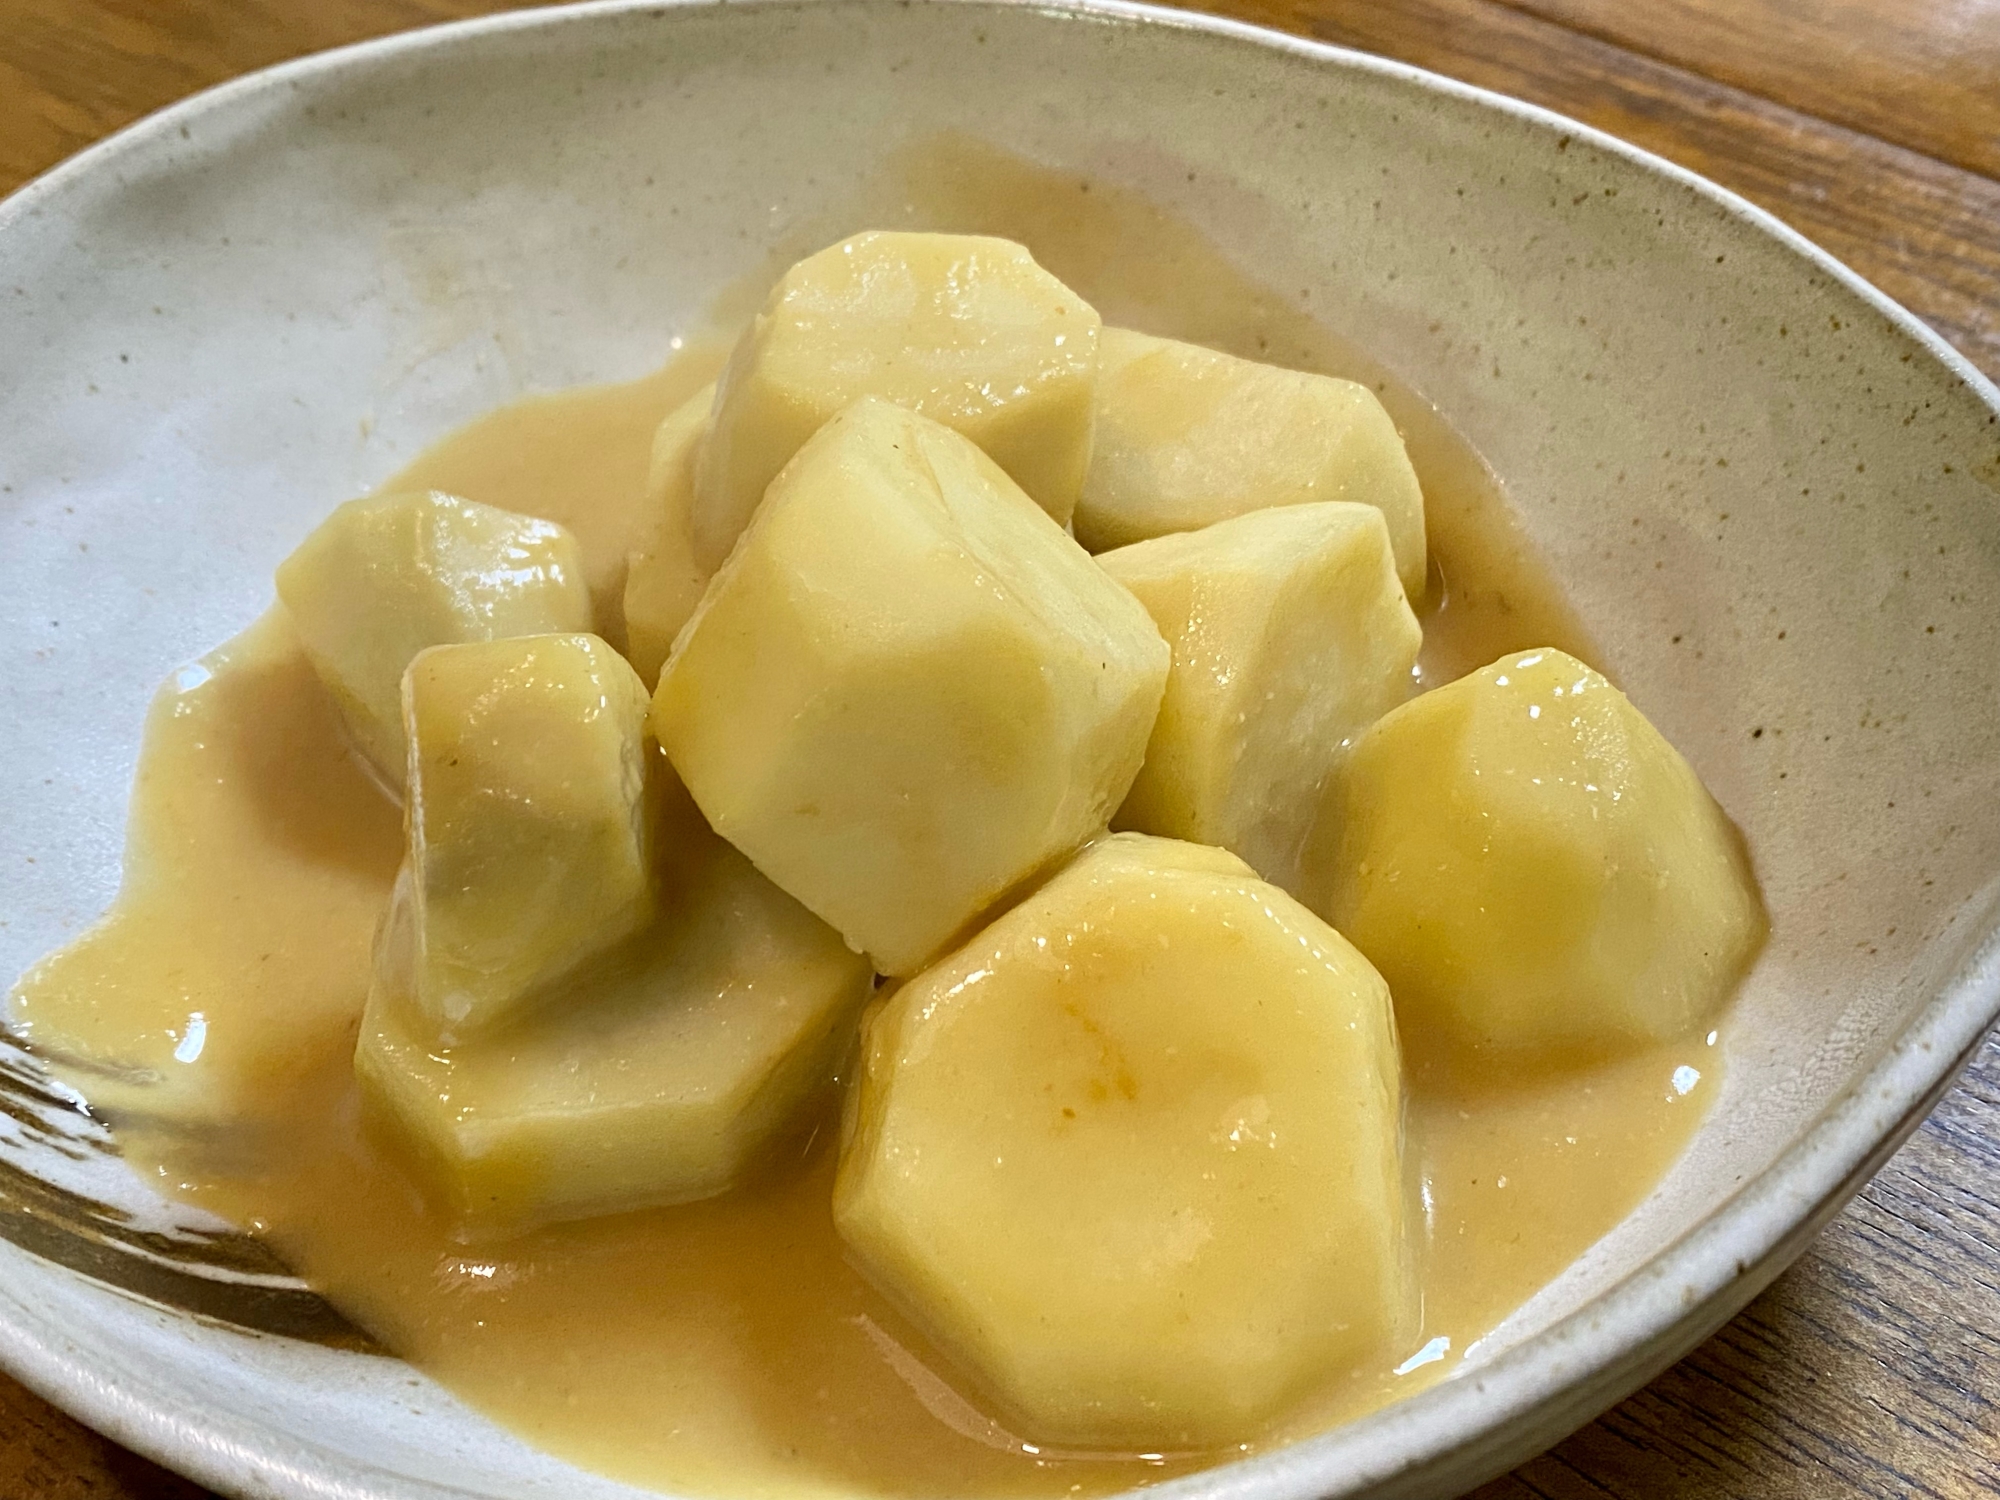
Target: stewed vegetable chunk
1290 635
384 577
530 846
1130 1155
965 329
1532 866
908 691
663 582
660 1073
1188 436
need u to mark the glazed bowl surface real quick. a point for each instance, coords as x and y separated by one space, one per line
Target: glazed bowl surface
1772 495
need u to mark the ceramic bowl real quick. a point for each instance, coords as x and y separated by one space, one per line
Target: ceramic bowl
1770 491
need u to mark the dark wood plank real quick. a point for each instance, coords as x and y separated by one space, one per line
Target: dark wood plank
73 71
1927 233
1871 1369
46 1456
1922 73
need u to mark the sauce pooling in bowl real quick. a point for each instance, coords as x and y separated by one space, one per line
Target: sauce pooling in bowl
730 1346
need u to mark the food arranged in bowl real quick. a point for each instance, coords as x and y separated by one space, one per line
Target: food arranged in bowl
973 930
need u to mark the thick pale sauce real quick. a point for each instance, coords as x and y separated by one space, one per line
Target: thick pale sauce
728 1347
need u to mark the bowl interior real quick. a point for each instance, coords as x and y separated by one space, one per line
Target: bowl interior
1772 505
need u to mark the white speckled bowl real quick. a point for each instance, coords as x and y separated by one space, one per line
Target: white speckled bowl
1772 492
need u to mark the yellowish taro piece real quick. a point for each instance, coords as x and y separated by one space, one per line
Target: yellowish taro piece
1534 868
1188 436
907 690
1130 1156
528 821
386 576
664 582
1290 635
664 1073
965 329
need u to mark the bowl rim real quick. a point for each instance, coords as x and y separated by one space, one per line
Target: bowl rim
1570 1370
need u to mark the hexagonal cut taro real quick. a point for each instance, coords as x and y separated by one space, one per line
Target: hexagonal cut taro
1533 867
1187 436
908 691
386 576
964 328
529 821
661 1072
663 581
1130 1155
1291 635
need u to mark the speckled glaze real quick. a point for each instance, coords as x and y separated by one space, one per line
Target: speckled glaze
1774 495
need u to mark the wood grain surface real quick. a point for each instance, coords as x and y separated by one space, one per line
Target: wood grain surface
1872 1368
1917 72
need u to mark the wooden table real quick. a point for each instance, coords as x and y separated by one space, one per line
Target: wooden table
1873 126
